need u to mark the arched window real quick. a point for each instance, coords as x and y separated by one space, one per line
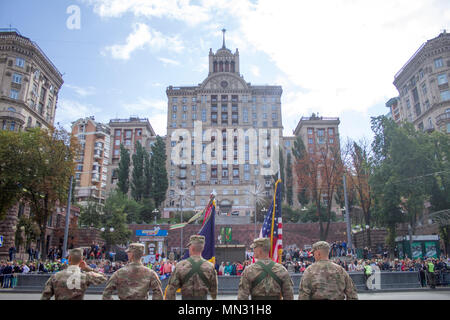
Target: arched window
11 109
29 122
220 66
227 67
215 66
232 67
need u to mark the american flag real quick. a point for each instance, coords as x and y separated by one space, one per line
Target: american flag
276 236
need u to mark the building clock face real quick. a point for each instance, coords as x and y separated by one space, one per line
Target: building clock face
224 84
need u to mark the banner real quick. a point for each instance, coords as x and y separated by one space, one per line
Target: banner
416 250
430 249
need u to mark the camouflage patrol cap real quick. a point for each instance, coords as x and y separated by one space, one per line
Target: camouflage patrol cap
261 242
196 239
321 245
136 248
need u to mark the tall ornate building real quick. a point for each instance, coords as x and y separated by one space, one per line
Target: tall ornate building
29 87
223 135
29 83
423 86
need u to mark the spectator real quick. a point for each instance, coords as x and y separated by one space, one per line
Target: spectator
228 269
12 253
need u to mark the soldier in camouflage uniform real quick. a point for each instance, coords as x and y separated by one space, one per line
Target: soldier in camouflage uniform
71 283
265 279
134 281
195 276
325 280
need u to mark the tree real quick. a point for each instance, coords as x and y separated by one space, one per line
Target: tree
49 163
310 214
158 170
360 166
147 177
319 172
12 169
299 152
282 174
289 181
90 214
123 183
115 216
138 177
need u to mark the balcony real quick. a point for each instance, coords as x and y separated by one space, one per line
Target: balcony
13 115
443 118
182 166
182 176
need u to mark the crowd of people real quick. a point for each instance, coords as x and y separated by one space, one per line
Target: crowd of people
294 260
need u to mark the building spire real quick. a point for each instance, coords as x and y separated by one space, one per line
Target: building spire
223 45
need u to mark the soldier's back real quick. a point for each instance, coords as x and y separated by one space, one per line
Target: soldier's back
325 280
194 285
134 281
260 284
71 284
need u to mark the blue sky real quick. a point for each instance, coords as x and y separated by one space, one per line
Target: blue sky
336 57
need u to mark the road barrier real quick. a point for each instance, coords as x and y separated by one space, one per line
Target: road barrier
230 284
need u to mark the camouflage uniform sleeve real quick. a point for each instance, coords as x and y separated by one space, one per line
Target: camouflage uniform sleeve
172 286
111 287
350 289
244 286
48 292
288 286
304 290
95 278
155 286
213 283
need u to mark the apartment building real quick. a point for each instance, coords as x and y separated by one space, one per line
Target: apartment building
29 83
92 161
423 86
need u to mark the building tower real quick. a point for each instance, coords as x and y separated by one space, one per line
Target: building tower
209 130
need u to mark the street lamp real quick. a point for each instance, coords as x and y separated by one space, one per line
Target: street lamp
155 211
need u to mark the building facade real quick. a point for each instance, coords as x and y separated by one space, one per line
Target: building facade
315 132
91 171
221 136
29 87
29 84
127 132
423 86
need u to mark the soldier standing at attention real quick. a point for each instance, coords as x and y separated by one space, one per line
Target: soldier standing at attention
134 281
265 279
325 280
71 283
195 276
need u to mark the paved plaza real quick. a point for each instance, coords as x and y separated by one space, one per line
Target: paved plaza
410 295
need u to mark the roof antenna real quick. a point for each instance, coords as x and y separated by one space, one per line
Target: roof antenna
223 45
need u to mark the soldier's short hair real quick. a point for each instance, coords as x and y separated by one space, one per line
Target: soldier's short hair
76 255
263 243
321 245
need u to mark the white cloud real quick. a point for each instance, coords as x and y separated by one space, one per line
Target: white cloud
181 10
71 110
167 61
341 54
153 109
141 37
83 92
255 71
